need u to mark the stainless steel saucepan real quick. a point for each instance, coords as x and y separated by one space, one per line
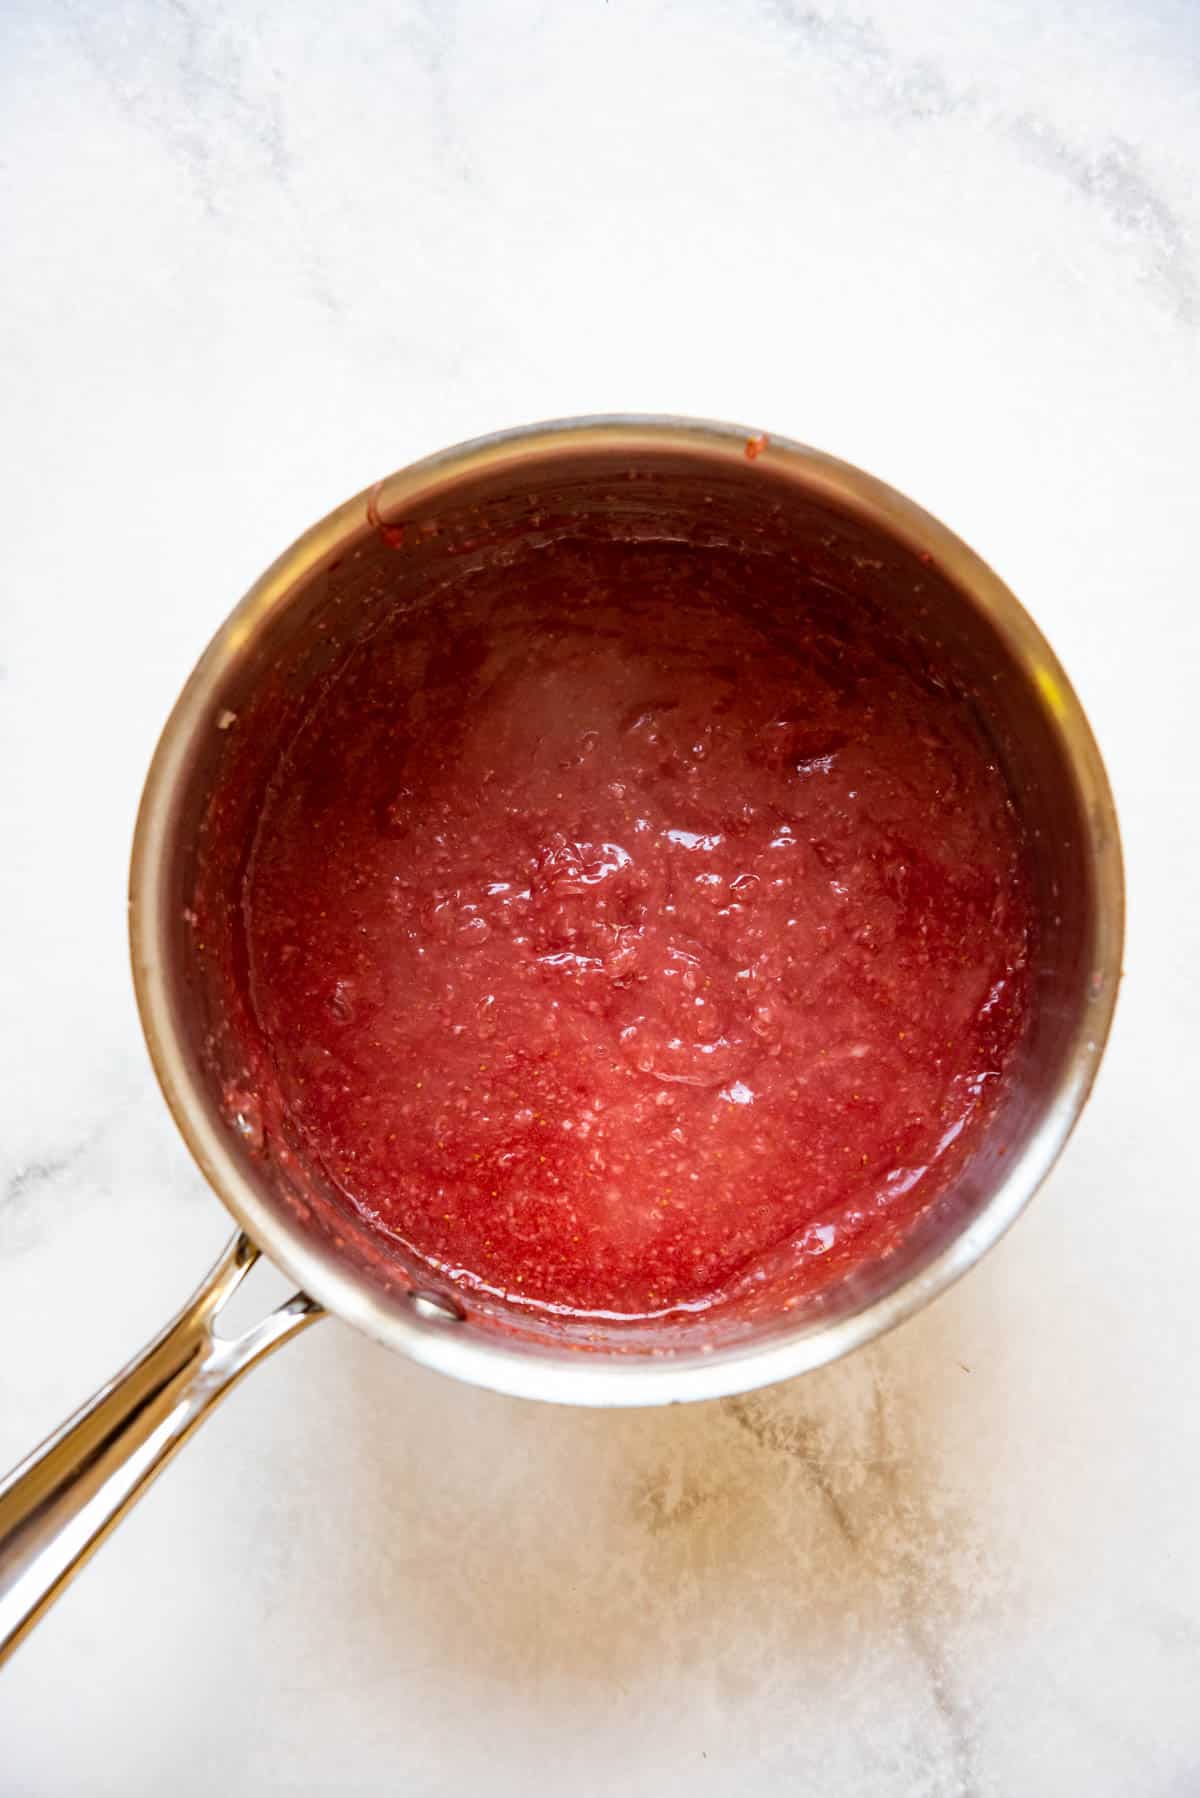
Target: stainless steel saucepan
631 478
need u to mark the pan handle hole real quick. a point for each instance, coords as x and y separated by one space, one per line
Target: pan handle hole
436 1308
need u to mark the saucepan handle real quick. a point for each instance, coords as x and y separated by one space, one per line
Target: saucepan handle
61 1502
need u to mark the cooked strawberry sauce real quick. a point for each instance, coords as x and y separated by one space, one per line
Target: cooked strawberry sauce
635 917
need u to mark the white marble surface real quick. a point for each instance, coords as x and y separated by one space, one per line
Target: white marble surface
253 258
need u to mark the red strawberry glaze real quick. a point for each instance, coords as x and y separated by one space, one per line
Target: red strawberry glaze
635 915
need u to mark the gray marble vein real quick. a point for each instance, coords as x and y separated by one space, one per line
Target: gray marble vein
887 1526
1108 172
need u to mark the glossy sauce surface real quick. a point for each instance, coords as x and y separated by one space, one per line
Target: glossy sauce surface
638 915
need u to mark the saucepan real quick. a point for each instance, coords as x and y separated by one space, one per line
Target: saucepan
624 477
